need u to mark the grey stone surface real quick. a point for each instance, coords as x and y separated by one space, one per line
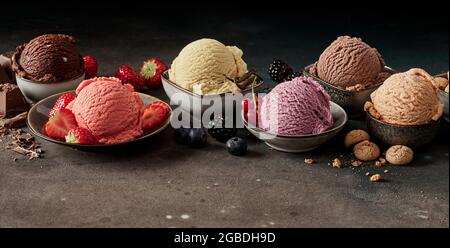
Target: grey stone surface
153 184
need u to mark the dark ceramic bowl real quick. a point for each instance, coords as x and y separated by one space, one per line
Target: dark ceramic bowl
391 134
351 101
37 117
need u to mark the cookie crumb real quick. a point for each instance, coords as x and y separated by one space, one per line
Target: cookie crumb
386 171
356 163
367 173
375 178
309 161
337 163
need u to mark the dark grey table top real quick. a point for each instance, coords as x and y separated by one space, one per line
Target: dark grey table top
162 184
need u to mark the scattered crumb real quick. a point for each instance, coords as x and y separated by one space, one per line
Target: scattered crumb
15 159
386 171
367 173
337 163
258 180
169 217
356 163
309 161
185 216
375 178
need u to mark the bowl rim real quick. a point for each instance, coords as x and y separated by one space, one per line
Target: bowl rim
45 137
331 130
385 68
82 75
165 77
433 123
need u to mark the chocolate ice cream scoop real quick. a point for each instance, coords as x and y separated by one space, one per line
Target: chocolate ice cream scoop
48 58
350 64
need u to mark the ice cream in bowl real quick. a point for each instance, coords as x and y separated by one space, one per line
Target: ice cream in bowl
46 65
349 70
206 70
405 110
102 112
296 116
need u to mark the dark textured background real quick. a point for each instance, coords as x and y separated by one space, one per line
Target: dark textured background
140 185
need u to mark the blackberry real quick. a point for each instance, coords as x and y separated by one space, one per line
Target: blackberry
279 70
292 76
217 130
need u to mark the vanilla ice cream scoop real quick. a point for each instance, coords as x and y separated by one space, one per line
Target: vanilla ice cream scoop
408 98
208 67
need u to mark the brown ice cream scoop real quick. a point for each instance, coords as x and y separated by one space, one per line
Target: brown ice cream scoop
366 151
48 58
350 64
399 155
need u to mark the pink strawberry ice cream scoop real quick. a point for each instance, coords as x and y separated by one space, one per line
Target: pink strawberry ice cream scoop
110 110
297 107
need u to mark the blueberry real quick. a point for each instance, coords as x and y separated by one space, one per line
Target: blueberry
197 137
237 146
181 135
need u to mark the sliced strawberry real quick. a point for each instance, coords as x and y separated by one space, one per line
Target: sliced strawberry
151 71
62 102
154 115
90 67
60 123
128 76
82 136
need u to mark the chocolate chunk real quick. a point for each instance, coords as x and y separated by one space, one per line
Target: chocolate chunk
12 102
6 72
14 122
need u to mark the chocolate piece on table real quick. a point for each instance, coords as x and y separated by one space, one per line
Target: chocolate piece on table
14 122
6 72
12 102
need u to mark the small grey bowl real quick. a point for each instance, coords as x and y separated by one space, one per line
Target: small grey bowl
412 136
351 101
443 96
190 102
301 143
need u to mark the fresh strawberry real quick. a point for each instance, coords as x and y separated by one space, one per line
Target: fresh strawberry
82 136
60 123
129 76
90 67
151 71
62 102
154 114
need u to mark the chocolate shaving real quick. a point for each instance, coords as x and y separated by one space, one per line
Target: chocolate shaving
21 142
247 79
